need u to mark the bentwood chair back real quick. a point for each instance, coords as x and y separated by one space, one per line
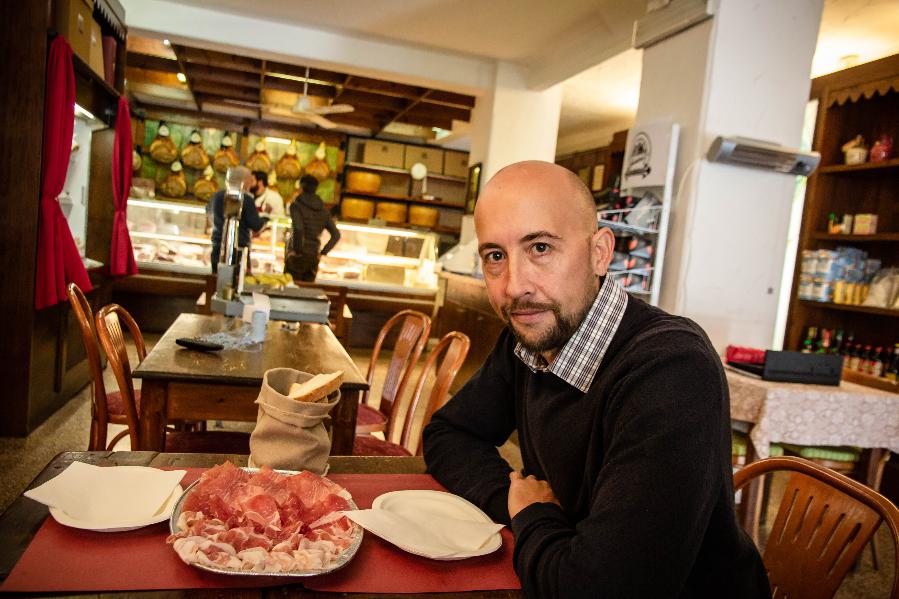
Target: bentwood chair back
109 330
414 328
112 338
445 359
106 407
823 523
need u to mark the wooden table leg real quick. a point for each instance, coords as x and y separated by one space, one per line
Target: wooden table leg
151 432
343 431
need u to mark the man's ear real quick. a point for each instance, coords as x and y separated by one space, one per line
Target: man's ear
602 246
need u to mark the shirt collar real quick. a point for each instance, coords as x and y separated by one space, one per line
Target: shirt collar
579 358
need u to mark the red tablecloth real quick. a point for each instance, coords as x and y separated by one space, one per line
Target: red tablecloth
62 559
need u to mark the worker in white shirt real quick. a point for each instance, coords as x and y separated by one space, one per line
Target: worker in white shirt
268 201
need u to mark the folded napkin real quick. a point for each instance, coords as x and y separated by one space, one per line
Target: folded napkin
424 532
108 496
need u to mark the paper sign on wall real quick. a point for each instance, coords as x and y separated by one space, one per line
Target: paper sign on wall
646 155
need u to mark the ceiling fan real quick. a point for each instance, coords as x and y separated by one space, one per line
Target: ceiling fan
304 108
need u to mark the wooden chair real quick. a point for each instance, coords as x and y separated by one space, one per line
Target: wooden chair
106 408
454 349
109 330
412 338
823 523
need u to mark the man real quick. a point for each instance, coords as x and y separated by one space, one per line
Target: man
268 201
622 414
249 220
309 217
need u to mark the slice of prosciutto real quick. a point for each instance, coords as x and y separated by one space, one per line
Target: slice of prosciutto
263 522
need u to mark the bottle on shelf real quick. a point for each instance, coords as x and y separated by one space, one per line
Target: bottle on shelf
875 364
823 342
849 341
892 371
863 359
808 346
836 345
855 357
886 358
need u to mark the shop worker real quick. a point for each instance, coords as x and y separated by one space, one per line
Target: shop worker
249 220
309 217
268 200
622 414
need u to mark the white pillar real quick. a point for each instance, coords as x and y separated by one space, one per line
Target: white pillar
512 122
745 72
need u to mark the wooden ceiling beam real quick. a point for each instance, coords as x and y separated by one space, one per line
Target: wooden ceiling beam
412 104
152 63
451 99
223 76
224 91
386 88
358 98
425 110
217 59
424 121
296 87
300 71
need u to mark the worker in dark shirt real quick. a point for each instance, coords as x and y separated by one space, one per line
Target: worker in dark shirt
309 218
622 413
249 220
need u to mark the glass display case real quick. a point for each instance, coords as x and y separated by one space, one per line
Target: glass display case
381 258
175 236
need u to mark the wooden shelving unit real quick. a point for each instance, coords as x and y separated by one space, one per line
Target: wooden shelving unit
861 100
397 185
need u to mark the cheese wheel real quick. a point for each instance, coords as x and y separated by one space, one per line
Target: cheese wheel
356 208
362 182
423 216
391 212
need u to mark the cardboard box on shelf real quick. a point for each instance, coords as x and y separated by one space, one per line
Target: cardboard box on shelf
383 153
432 158
455 164
72 20
95 55
865 224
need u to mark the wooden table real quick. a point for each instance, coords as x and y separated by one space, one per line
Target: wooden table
184 384
24 517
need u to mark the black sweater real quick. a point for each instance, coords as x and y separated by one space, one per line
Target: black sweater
640 464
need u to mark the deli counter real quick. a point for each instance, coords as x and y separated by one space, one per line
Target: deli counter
175 237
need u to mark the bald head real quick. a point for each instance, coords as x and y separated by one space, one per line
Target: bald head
540 182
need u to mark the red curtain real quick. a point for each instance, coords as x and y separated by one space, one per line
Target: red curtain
121 256
58 262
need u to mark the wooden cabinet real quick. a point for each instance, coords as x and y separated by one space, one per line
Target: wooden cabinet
597 167
862 100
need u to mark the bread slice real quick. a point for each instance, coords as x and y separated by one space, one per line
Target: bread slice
316 388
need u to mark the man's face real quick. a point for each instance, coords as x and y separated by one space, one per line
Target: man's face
541 260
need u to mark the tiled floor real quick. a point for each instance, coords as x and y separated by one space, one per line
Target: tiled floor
22 459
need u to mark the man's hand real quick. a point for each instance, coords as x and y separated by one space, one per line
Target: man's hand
525 491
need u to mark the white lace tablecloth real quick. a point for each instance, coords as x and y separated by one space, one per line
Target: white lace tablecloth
814 414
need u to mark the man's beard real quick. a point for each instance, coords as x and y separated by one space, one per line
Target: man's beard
557 335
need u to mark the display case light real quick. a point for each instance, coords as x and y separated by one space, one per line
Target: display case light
382 230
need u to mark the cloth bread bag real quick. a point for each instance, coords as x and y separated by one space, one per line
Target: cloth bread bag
290 433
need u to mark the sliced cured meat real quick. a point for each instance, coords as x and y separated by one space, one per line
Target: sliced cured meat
263 522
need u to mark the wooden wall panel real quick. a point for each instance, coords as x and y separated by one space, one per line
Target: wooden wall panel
23 50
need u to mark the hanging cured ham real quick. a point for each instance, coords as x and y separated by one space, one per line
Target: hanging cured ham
205 186
194 155
225 157
259 160
163 149
174 185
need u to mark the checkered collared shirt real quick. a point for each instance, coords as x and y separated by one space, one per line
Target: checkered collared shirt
579 359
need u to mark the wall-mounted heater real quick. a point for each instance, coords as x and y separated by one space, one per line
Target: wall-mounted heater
742 151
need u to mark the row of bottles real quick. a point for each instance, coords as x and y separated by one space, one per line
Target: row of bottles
874 360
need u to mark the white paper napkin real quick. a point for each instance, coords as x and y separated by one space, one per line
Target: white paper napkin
424 528
261 303
108 496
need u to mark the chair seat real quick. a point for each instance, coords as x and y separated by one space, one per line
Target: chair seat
739 442
368 445
116 407
369 420
207 442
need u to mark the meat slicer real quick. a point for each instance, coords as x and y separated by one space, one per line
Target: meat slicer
293 305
